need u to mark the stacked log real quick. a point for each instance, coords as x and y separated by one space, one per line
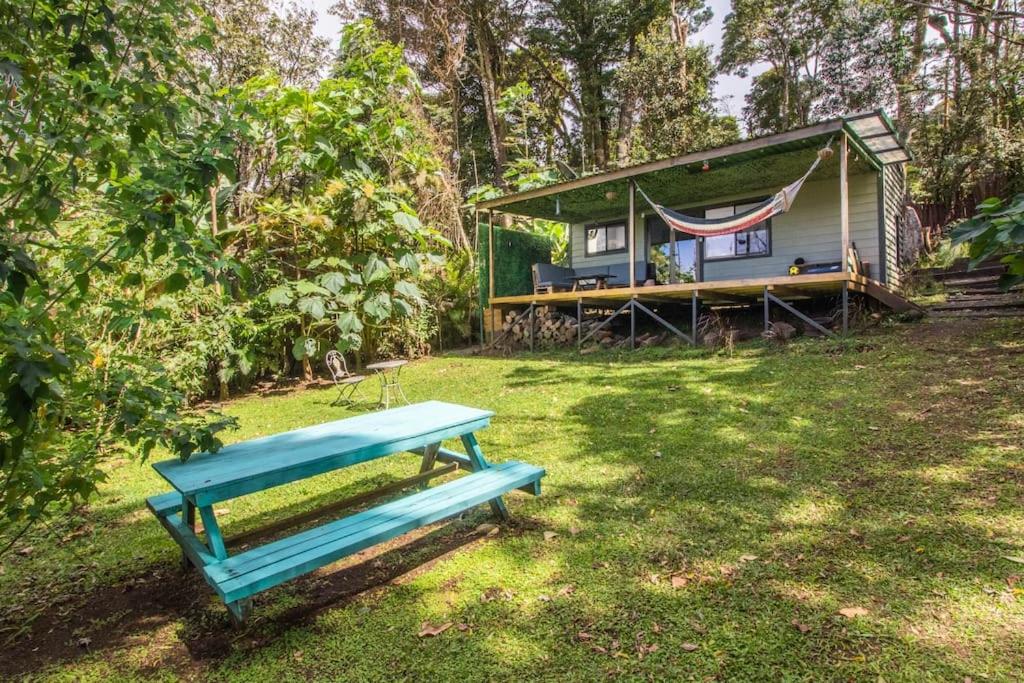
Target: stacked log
554 329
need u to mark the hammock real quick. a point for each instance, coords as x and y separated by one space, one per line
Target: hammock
773 206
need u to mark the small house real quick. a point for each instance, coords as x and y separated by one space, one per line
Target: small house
653 233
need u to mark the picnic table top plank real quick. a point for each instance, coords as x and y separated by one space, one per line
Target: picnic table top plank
253 465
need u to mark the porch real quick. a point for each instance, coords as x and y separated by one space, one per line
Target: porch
770 294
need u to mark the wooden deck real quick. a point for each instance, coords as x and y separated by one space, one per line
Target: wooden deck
721 292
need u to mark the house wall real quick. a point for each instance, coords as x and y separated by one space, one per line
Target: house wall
810 229
894 189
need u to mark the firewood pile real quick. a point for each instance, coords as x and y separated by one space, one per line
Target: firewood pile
553 329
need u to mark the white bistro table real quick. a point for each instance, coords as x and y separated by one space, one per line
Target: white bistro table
388 372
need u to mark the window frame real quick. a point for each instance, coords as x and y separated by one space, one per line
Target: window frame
737 257
604 226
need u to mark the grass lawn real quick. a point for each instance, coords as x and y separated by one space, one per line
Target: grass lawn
712 515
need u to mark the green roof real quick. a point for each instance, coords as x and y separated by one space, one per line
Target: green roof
747 167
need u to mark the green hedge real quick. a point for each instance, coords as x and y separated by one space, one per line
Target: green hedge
514 254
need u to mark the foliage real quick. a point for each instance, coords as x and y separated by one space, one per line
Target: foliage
996 230
111 137
342 248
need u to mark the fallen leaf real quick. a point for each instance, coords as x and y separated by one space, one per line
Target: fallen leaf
25 550
543 597
84 641
574 530
550 535
583 635
487 529
656 627
690 647
222 511
853 612
654 578
297 655
428 630
462 627
598 648
566 590
803 628
748 558
679 581
1012 558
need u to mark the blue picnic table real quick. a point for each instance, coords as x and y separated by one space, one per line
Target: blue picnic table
260 464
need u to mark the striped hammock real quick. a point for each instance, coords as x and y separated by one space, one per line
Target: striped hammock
773 206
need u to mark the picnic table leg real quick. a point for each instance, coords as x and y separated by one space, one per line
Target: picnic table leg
429 458
214 539
188 516
477 462
239 610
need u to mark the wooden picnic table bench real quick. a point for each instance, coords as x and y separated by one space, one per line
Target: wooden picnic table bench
257 465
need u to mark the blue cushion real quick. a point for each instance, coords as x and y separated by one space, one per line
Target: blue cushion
550 274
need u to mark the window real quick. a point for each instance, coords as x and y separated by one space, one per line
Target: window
755 241
606 239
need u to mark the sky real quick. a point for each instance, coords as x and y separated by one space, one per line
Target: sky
729 90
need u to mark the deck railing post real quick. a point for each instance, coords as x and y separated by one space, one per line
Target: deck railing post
767 313
579 324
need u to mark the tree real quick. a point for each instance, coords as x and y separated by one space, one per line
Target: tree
110 138
670 85
337 235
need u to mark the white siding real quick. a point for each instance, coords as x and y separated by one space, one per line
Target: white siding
809 230
895 188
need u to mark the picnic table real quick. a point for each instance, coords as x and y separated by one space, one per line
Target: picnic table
260 464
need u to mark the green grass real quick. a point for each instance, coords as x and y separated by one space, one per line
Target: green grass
883 473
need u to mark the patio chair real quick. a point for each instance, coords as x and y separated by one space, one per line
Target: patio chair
346 381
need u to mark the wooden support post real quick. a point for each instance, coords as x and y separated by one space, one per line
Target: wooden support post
694 303
533 322
767 313
699 260
846 307
632 324
490 267
631 224
844 201
579 323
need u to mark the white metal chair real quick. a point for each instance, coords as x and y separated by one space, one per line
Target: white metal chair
346 381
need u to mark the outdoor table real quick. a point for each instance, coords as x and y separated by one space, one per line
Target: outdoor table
260 464
388 372
600 280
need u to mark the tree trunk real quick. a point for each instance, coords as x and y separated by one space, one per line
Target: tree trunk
488 64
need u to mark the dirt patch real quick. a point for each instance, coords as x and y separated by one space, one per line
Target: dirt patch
185 628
